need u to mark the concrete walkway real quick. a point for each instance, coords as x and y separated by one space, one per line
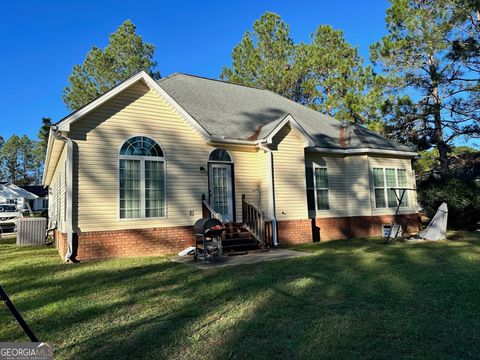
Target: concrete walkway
250 258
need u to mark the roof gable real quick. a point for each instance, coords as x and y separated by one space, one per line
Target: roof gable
241 112
221 111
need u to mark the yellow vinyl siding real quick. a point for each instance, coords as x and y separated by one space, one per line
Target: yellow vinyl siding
357 186
351 183
394 163
58 192
141 111
264 181
289 175
249 177
99 136
336 181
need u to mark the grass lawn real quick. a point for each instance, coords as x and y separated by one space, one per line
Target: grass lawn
350 299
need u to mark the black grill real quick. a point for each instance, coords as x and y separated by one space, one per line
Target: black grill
205 227
208 244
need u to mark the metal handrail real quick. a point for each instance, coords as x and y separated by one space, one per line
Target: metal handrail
254 221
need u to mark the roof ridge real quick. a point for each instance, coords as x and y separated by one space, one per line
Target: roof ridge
217 80
305 106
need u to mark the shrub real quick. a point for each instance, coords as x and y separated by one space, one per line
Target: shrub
461 195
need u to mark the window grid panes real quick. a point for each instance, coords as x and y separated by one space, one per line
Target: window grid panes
141 146
220 155
383 180
220 190
154 189
142 179
379 187
130 189
321 186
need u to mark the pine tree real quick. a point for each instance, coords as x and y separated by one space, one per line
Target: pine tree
434 87
125 55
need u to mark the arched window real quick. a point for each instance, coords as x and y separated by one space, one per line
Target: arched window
220 155
142 179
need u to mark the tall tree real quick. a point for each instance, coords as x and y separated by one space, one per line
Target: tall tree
265 58
2 172
19 161
11 158
337 83
434 86
125 55
43 134
327 74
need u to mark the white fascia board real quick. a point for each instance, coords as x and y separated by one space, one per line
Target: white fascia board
290 119
365 151
51 139
64 125
156 87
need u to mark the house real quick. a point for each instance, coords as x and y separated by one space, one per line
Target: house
13 194
127 172
40 203
35 195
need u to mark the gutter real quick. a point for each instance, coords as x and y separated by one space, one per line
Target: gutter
271 191
364 151
223 140
69 175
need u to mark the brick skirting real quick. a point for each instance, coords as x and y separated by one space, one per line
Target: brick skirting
161 241
320 229
61 243
132 242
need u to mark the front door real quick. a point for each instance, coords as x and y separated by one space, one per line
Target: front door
221 194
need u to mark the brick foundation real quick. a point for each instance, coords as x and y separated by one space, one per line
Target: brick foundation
304 231
133 242
61 243
160 241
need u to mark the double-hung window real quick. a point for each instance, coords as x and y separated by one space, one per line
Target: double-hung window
317 188
142 179
384 179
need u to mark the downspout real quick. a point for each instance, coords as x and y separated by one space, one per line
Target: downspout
58 135
271 193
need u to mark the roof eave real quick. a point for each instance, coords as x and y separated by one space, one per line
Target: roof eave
365 151
64 124
290 119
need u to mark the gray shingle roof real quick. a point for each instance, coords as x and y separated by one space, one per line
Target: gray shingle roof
241 112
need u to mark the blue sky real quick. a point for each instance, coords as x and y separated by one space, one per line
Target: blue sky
43 40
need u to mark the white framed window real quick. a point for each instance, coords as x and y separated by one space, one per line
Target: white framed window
383 180
142 179
318 197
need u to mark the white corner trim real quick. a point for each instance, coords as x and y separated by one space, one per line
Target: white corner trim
290 119
365 151
64 125
47 155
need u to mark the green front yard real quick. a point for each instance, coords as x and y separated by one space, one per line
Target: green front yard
349 300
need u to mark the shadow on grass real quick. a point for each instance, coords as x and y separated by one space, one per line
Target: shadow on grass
352 299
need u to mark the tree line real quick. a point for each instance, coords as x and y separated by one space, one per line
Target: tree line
22 158
421 87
